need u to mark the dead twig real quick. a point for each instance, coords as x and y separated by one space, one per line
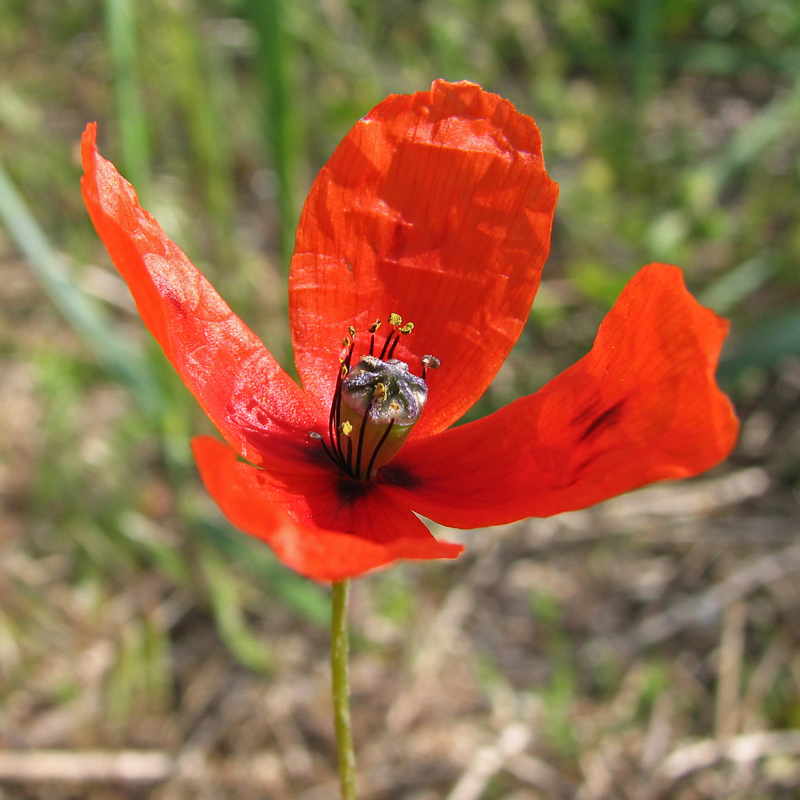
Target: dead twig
729 672
704 608
137 766
440 641
489 761
86 766
740 750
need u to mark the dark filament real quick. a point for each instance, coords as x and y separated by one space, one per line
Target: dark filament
335 419
380 444
389 345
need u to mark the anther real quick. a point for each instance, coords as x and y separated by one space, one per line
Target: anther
372 329
429 362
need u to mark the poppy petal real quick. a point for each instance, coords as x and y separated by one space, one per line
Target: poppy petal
642 406
435 206
235 379
257 503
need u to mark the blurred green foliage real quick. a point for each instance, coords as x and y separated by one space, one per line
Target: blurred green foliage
673 128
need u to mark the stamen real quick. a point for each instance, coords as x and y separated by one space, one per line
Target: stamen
379 396
391 342
429 362
377 448
361 432
335 419
394 344
321 439
395 320
389 338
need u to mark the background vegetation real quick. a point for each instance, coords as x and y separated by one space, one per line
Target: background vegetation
645 649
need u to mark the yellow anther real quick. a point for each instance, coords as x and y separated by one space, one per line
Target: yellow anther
352 331
375 325
407 328
395 319
346 428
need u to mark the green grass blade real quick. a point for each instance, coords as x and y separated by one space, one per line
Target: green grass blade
293 591
196 87
765 343
81 313
280 126
776 120
121 31
225 592
647 23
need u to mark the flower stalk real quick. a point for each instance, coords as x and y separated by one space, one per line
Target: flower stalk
341 689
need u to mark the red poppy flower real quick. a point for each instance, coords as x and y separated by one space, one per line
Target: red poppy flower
437 207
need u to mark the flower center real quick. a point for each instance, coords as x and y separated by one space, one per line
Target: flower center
376 404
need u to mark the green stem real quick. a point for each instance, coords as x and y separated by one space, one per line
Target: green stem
341 690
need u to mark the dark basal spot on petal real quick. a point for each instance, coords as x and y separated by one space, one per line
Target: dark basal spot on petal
350 490
399 476
603 420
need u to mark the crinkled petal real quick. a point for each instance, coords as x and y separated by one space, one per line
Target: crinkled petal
642 406
235 379
435 206
290 513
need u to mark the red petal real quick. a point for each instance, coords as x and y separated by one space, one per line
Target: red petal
436 206
258 503
237 382
642 406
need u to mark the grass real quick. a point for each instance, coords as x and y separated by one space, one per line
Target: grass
132 616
